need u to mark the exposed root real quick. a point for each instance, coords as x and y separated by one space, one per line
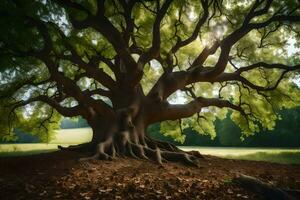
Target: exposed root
171 147
181 157
139 151
164 145
89 158
157 151
196 154
265 189
154 154
85 147
131 153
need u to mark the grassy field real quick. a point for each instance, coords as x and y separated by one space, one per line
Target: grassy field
68 137
73 136
64 137
277 155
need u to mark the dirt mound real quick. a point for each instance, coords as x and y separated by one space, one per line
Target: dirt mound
59 175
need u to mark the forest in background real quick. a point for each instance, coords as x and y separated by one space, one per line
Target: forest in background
285 134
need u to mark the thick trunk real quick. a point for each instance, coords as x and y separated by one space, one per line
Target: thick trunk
124 134
117 138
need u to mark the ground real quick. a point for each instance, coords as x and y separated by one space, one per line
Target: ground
59 175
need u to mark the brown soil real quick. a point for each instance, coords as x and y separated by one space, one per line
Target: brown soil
59 175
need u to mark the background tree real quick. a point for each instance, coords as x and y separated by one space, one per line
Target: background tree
228 134
119 64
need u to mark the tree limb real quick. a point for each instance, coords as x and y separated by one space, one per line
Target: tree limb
65 111
177 111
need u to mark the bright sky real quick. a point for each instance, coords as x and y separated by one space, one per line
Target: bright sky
291 50
291 47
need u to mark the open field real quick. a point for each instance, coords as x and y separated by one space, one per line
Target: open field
68 137
73 136
278 155
64 137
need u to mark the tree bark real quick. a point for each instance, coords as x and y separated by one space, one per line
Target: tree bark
127 137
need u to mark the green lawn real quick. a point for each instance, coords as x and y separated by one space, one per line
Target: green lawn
64 137
277 155
67 137
73 136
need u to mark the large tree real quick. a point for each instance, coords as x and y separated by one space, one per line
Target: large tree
121 65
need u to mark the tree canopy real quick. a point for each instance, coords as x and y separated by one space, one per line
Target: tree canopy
127 61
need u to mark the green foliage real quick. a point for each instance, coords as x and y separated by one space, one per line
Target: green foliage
228 134
284 133
41 123
173 129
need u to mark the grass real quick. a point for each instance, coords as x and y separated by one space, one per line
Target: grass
26 149
281 157
276 155
68 137
64 137
25 153
73 136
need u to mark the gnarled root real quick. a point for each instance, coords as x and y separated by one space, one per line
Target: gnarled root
121 145
85 147
265 189
171 147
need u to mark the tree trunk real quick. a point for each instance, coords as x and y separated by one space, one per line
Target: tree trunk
123 138
124 134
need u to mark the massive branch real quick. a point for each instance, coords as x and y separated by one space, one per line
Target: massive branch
181 43
154 51
68 86
102 24
65 111
169 83
236 76
178 111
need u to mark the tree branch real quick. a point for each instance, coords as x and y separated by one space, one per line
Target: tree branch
65 111
68 86
163 88
8 92
99 91
106 28
201 21
154 51
236 76
177 111
247 26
